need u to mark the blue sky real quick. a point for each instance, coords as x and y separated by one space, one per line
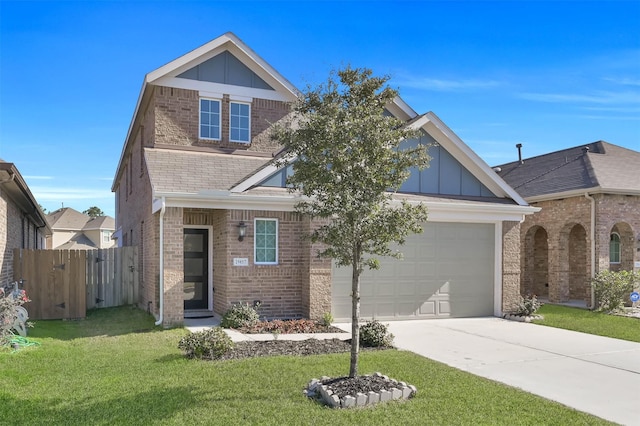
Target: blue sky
549 75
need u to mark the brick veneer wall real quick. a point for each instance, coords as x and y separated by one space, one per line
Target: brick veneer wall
177 120
567 223
510 265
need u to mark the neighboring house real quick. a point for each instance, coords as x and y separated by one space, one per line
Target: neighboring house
589 222
197 192
22 222
73 230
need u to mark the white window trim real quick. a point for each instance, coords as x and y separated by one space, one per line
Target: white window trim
619 249
219 101
240 103
255 220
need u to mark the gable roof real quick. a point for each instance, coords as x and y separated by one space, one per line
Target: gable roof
167 74
77 242
69 219
595 167
444 136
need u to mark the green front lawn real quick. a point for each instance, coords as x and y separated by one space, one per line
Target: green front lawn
586 321
115 367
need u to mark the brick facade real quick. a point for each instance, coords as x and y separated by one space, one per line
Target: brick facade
557 244
510 265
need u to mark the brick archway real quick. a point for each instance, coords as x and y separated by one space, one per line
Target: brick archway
536 263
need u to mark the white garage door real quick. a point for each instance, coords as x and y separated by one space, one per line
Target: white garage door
447 271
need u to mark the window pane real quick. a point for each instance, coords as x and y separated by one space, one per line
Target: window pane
260 226
204 118
204 132
204 105
270 255
235 121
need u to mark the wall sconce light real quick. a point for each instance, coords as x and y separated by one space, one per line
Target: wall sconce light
242 231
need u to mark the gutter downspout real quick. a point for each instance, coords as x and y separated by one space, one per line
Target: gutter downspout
161 283
593 245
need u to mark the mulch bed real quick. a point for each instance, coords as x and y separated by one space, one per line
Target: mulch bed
343 386
250 349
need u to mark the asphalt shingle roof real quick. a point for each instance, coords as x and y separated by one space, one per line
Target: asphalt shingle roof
193 172
594 165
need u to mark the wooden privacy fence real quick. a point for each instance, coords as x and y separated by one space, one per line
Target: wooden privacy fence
63 284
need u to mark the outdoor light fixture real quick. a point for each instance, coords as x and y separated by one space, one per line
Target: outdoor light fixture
242 231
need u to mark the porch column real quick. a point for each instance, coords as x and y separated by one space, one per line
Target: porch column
316 288
510 265
173 267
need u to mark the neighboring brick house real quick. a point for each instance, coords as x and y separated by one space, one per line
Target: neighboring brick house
589 221
197 192
22 222
72 230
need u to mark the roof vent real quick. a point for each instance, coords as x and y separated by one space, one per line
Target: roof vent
585 149
519 146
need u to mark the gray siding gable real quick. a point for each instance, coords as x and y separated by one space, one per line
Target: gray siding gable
225 69
444 176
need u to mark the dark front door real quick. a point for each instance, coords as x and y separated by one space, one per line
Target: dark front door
196 267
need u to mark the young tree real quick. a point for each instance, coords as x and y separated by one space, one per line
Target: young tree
94 211
348 161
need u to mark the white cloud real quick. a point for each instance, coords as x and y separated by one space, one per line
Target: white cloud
38 177
601 97
443 85
43 193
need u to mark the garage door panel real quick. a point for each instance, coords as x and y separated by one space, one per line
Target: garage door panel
448 271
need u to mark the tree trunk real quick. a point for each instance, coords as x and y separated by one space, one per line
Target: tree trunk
355 312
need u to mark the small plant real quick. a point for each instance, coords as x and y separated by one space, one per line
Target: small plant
211 343
327 319
375 334
612 289
527 305
240 315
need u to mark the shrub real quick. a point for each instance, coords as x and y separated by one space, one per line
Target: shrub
240 315
527 305
211 343
612 289
375 334
327 319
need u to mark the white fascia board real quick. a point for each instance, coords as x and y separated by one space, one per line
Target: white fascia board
485 213
466 156
580 193
217 88
401 110
227 42
225 200
260 175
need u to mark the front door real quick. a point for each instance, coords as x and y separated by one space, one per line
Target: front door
196 267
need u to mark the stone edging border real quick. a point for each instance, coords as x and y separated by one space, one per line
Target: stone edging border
397 390
522 318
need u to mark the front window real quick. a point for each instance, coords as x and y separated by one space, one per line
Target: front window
209 119
266 241
614 248
106 236
239 122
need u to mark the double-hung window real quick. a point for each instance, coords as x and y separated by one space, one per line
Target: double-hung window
210 119
239 122
266 241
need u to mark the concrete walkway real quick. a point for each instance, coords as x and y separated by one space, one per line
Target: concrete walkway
594 374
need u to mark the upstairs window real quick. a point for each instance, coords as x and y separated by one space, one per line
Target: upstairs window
209 119
239 122
614 248
266 241
106 236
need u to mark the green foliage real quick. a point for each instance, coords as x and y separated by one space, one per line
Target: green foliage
327 319
240 315
94 211
348 157
375 334
527 305
612 289
211 343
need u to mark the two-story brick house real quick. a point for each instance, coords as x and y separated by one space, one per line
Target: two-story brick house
589 220
197 192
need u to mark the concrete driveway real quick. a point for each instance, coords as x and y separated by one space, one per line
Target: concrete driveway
597 375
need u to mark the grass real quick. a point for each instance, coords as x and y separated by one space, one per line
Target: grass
115 367
586 321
